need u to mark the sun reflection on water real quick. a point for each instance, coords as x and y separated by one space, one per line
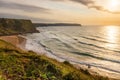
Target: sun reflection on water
111 33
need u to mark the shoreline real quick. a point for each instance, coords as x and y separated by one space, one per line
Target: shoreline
20 41
102 71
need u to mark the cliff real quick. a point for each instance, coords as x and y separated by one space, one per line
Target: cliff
15 26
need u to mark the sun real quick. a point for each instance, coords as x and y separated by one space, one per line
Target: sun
113 5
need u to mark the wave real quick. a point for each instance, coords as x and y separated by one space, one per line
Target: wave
101 67
68 45
71 49
93 45
83 63
93 39
96 57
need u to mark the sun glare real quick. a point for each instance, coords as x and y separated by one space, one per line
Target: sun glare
113 5
112 35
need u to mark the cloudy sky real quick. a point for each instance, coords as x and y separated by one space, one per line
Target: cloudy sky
76 11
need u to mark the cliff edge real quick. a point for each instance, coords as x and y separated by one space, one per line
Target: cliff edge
16 26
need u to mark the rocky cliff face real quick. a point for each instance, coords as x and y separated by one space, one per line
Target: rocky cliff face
16 26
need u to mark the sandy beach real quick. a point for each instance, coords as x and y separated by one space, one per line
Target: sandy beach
15 40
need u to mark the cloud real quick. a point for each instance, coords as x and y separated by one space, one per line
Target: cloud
91 4
84 2
27 8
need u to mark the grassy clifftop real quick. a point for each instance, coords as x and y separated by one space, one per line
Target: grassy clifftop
16 64
15 26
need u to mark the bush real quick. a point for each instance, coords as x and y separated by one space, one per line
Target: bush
67 63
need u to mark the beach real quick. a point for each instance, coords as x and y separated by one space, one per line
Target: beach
16 40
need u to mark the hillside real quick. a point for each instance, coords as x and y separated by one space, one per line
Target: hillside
16 64
16 26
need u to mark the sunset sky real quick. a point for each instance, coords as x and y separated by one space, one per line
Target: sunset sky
88 12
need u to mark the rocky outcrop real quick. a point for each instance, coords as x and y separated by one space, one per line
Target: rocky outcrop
16 26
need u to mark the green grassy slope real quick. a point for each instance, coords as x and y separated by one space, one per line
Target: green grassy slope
15 26
16 64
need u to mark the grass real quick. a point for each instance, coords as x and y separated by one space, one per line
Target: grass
16 64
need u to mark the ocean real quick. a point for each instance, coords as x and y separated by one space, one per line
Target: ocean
97 46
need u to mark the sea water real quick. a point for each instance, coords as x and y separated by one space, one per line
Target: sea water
97 46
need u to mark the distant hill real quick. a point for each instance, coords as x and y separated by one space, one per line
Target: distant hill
16 26
55 24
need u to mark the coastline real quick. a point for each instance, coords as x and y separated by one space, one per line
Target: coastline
20 41
93 70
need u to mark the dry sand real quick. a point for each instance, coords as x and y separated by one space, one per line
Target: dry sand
15 40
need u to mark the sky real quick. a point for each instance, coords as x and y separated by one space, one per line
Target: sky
87 12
